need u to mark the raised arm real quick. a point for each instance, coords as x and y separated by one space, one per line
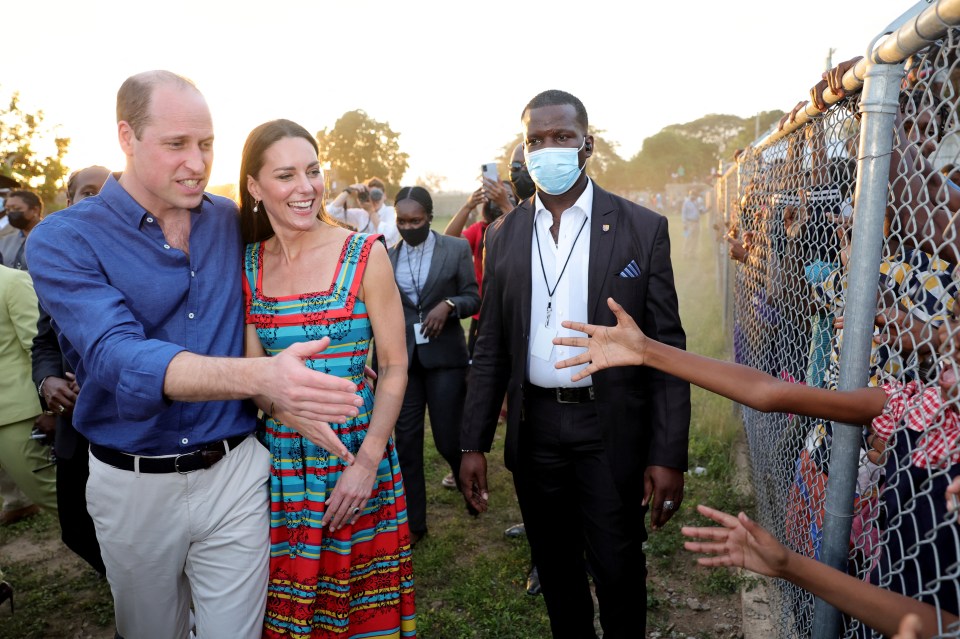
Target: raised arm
626 345
459 221
742 543
115 352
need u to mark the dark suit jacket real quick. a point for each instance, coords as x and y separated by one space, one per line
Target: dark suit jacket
48 360
645 414
451 277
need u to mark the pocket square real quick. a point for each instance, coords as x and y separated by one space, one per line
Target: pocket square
631 270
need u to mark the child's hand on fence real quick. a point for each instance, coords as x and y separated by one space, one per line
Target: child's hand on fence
739 542
953 497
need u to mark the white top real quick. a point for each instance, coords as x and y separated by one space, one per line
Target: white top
570 297
388 225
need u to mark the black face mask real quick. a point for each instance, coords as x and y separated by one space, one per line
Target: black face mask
415 236
522 183
18 219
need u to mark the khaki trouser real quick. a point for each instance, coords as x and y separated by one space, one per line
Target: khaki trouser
20 456
168 537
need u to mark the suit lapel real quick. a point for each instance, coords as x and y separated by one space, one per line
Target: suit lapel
604 220
522 246
436 267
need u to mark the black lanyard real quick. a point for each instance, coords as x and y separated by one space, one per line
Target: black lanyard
415 279
546 283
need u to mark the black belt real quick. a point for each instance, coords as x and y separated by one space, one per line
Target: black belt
561 395
183 464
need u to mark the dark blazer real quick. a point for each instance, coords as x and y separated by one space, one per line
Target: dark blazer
645 414
48 360
451 277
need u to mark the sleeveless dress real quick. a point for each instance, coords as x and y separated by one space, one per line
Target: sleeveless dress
357 581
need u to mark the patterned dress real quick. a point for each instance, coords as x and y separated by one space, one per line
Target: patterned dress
357 581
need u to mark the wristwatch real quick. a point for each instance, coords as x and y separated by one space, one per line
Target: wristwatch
451 304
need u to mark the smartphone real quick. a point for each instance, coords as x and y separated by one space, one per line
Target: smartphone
489 171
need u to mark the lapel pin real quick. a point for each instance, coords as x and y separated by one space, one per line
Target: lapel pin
605 227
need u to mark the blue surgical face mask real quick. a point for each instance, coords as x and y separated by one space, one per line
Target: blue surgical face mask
555 170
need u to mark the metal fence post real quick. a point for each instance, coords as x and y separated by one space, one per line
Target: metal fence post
878 105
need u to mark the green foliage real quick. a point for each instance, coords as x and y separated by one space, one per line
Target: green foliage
21 133
664 153
359 147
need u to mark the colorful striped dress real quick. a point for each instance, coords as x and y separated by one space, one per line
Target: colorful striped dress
357 581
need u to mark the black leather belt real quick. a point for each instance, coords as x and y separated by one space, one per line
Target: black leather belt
561 395
183 464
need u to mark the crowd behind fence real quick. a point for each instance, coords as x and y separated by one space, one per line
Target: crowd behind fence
844 229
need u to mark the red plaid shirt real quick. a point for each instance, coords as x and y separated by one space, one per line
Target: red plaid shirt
921 410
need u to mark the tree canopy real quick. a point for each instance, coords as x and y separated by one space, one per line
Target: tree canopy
359 147
21 133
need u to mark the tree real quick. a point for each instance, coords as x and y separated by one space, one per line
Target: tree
662 154
21 133
359 147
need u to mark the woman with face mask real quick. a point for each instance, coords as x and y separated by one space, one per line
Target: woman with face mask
438 288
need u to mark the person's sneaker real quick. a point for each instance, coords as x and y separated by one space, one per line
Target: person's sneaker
517 530
449 481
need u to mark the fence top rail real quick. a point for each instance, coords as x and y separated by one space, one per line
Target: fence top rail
924 23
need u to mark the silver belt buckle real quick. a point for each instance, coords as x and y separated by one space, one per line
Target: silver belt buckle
176 464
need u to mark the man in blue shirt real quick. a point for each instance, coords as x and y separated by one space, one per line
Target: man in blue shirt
143 285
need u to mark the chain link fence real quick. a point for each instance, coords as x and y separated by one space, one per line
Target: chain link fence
843 233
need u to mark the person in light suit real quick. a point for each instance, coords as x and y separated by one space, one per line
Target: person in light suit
438 288
588 458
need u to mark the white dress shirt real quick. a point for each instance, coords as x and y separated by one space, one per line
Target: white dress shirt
569 300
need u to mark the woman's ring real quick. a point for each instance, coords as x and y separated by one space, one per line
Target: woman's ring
356 511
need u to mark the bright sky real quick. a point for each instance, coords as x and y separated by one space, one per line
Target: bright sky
451 77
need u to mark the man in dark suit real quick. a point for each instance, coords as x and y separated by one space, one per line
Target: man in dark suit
438 287
587 458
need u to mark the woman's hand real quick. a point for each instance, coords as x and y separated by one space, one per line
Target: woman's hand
350 495
607 346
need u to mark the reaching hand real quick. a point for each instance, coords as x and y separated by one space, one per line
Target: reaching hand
435 320
303 394
740 542
607 346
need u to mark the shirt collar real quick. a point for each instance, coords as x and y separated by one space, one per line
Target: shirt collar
117 198
584 203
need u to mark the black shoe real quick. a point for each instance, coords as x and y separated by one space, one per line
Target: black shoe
6 592
518 530
533 582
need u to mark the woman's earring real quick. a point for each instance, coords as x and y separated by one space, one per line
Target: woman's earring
256 206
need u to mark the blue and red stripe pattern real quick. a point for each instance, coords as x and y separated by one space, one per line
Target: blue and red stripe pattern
358 580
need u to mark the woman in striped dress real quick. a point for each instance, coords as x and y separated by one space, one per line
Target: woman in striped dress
340 562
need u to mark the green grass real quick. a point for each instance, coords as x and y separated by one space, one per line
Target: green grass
470 579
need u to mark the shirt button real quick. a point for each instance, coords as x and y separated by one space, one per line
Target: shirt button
166 246
193 274
190 315
150 219
184 441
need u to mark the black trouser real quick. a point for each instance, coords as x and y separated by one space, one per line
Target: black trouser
572 508
76 526
442 390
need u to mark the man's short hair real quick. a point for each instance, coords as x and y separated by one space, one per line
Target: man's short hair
133 98
376 183
32 199
556 97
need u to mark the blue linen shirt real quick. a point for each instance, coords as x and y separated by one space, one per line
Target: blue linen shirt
124 303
